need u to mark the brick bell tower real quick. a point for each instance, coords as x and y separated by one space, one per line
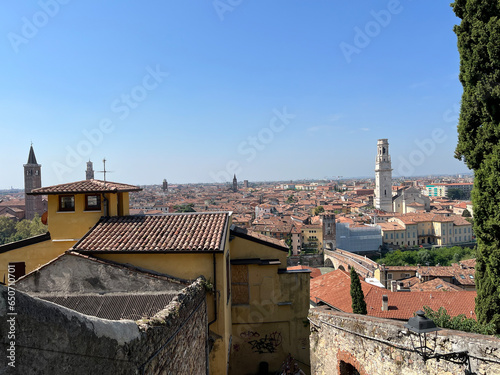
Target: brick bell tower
32 180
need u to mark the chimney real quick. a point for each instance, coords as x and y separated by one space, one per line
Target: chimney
393 286
385 303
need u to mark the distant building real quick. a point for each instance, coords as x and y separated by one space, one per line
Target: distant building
441 190
89 173
358 239
383 177
235 184
165 186
409 200
32 180
245 184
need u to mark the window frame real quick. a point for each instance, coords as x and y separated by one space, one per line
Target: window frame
97 207
66 209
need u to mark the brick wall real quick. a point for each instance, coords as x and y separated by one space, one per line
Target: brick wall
342 342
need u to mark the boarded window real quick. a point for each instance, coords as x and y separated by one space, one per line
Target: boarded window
17 269
239 285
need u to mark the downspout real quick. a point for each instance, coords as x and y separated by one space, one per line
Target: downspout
106 202
215 292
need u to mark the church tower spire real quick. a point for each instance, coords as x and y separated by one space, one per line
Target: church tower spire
235 184
383 177
32 180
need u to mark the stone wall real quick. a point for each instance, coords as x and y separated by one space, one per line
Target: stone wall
305 260
46 338
342 343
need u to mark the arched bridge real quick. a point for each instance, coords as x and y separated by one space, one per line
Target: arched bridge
345 260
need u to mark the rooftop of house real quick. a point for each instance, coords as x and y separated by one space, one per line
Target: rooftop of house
333 289
86 186
185 232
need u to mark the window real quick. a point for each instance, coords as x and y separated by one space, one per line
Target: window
17 269
66 203
389 276
92 202
239 285
407 275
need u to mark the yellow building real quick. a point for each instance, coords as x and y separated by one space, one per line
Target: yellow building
256 307
73 209
426 229
312 237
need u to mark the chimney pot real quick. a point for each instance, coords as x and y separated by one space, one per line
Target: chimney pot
385 303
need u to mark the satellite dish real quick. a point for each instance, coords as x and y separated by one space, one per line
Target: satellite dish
45 218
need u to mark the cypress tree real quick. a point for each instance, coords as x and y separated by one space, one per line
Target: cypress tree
357 296
478 146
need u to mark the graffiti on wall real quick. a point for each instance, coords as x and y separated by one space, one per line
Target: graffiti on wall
266 344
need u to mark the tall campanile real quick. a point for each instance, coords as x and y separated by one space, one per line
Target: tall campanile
32 180
383 177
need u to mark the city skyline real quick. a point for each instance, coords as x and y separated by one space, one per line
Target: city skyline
281 91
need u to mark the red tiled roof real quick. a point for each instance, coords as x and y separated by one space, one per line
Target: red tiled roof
187 232
333 288
86 186
436 285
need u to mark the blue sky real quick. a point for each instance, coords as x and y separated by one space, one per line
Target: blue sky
193 91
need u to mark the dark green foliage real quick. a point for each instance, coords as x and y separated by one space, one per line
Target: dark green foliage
184 208
457 194
479 140
466 213
459 322
317 210
290 199
357 296
10 231
443 256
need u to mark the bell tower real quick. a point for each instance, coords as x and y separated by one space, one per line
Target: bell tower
383 177
32 180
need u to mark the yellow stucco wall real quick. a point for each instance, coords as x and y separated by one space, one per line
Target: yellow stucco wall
190 266
33 256
73 224
271 325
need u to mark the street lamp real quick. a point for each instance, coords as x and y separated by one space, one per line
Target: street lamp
421 326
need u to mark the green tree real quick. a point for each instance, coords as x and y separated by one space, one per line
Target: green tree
357 296
466 213
456 194
460 322
184 208
317 210
7 229
290 199
478 145
28 228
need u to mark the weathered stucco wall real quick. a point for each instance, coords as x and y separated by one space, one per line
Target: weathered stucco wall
305 260
342 342
46 338
72 273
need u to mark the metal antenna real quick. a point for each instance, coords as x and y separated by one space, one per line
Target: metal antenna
104 171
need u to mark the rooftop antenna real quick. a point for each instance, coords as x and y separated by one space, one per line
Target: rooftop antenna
104 171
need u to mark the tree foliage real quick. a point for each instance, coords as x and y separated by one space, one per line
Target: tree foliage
10 231
357 296
184 208
466 213
478 145
460 323
317 210
457 194
444 256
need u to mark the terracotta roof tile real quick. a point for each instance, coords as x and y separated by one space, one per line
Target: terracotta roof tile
187 232
334 289
86 186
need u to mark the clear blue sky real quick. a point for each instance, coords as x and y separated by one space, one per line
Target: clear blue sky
192 90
